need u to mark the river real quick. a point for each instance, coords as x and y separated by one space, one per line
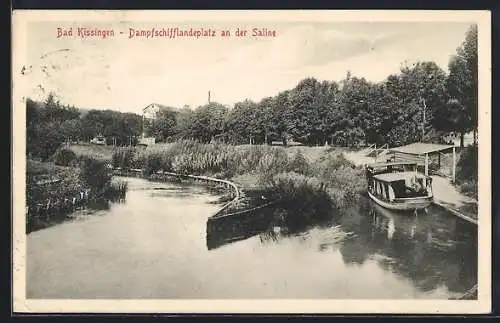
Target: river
154 246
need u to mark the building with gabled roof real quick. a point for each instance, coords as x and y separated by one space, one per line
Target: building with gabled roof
150 111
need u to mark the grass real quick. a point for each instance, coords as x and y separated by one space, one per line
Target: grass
467 172
70 183
90 174
344 181
313 181
95 151
305 198
47 169
117 190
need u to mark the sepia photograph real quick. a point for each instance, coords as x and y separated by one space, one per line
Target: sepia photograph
252 161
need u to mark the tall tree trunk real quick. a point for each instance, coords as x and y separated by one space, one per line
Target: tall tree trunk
462 139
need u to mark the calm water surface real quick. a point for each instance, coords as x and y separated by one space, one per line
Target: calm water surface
154 246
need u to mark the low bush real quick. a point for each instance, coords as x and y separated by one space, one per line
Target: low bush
273 162
304 199
467 172
96 174
469 188
153 163
123 157
467 165
64 157
344 182
299 164
116 190
69 186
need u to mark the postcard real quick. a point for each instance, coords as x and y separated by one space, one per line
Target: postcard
251 161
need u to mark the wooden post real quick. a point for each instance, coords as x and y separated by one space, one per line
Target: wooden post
453 166
47 215
423 121
426 164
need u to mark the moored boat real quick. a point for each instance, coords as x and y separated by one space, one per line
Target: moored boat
398 186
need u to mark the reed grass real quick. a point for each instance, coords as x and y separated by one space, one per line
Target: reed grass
117 190
309 189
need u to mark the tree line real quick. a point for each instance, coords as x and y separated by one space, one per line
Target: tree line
51 123
419 103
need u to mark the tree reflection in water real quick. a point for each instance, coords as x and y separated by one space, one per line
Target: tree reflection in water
92 207
431 250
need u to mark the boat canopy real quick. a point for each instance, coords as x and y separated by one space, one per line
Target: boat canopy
420 152
393 177
420 148
381 164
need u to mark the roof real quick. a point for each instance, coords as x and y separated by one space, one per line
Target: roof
420 148
161 106
381 164
393 177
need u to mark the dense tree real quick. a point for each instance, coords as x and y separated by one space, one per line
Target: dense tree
184 122
119 128
71 129
44 133
463 86
208 122
50 123
245 123
165 124
415 104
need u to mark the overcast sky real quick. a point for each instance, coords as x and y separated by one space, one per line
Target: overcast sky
128 74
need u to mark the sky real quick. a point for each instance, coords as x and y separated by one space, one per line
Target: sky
127 74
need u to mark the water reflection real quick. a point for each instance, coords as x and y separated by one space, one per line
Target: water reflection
153 246
92 207
228 229
431 250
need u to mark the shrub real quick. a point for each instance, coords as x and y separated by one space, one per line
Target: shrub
153 163
299 163
139 159
272 162
332 161
304 198
71 183
64 157
467 166
116 159
123 157
344 184
44 140
467 172
116 190
248 158
344 181
96 174
469 188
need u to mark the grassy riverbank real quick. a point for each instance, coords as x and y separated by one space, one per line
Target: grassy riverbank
311 181
52 188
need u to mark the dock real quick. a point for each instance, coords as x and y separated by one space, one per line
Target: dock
446 195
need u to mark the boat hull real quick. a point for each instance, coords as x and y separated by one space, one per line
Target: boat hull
416 203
